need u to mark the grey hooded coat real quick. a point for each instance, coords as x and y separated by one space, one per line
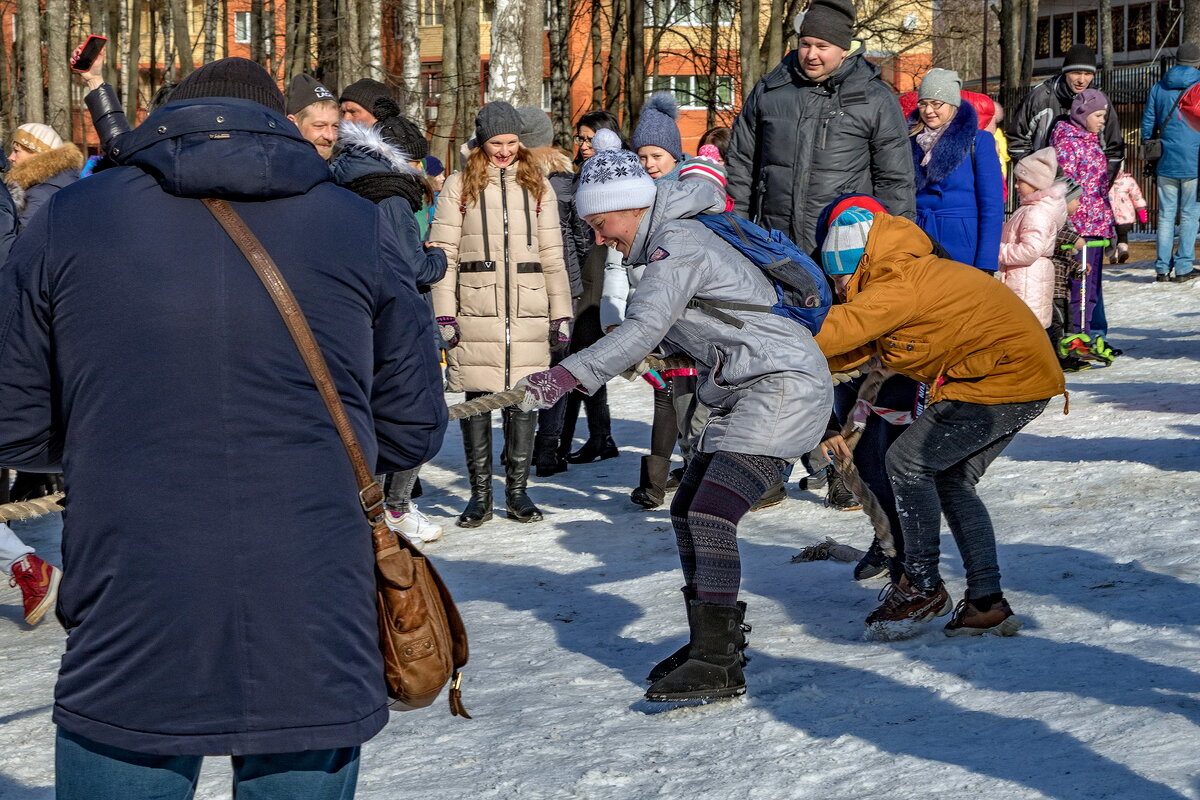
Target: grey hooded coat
766 384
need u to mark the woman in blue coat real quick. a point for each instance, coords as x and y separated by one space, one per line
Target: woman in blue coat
960 188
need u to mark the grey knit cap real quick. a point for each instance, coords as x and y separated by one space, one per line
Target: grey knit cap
365 92
941 84
830 21
304 91
497 118
657 127
1188 54
536 128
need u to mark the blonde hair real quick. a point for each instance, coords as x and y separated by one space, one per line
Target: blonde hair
302 114
475 175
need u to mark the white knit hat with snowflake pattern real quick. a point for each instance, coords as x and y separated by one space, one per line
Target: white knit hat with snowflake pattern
613 179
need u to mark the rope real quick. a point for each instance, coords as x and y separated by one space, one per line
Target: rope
868 392
489 402
29 509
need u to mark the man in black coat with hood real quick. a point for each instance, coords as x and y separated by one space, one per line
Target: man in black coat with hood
1050 101
219 582
820 125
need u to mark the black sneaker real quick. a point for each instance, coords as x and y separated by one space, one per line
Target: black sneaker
873 563
1185 277
1073 364
1162 277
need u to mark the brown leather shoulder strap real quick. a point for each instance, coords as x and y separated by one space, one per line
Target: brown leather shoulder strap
370 493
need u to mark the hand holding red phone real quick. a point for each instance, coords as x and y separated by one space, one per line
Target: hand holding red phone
87 62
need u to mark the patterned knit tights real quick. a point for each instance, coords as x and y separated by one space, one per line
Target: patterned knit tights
717 490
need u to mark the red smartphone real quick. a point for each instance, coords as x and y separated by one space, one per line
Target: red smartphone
88 54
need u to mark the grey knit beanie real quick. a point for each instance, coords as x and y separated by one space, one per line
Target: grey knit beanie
941 84
536 128
828 20
1079 58
497 118
657 125
1188 54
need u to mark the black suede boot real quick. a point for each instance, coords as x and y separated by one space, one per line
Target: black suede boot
546 458
677 659
714 665
477 441
652 488
596 448
518 453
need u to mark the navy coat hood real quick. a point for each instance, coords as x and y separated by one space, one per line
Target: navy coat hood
215 147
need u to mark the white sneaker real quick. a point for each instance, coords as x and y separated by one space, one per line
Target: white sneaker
415 525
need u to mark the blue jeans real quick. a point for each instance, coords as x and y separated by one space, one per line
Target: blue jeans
88 770
934 467
1176 197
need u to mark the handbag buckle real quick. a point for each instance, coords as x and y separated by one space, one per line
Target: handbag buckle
374 503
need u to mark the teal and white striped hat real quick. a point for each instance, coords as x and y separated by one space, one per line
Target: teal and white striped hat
846 241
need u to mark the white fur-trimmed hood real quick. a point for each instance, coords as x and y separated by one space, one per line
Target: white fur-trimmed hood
371 142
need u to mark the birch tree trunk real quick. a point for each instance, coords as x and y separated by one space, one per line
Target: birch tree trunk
166 25
506 67
58 105
29 19
183 36
370 39
1191 21
1106 37
413 103
444 141
212 15
562 12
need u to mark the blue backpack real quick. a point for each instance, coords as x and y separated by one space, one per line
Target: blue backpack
800 285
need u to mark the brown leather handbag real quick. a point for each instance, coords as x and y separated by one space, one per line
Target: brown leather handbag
421 635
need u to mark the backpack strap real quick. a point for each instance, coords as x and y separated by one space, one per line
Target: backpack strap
717 308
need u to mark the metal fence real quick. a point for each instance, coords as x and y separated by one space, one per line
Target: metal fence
1127 89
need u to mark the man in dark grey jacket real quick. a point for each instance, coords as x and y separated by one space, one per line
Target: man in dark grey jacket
820 125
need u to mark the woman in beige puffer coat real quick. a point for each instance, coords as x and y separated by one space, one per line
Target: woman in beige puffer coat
504 299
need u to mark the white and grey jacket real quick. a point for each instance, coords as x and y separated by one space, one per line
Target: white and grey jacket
766 383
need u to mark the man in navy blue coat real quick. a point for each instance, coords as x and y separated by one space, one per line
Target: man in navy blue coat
218 589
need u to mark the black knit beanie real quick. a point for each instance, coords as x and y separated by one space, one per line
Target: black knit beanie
365 92
406 135
497 119
304 91
231 77
1079 58
831 21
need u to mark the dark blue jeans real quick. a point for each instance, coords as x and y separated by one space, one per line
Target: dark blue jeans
88 770
934 466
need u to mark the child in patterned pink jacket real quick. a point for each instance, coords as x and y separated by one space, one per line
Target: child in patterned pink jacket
1128 206
1080 155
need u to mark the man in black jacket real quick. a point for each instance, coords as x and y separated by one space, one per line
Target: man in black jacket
820 125
220 596
1050 101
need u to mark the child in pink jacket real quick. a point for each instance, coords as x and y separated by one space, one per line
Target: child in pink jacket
1129 206
1028 237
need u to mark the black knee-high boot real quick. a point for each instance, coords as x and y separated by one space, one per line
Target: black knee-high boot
477 441
518 453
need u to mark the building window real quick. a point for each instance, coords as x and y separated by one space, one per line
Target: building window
431 12
687 13
1063 34
1118 29
241 27
691 91
547 100
1088 28
1167 24
1139 27
431 87
1043 37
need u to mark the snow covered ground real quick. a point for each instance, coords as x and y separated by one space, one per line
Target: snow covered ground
1098 515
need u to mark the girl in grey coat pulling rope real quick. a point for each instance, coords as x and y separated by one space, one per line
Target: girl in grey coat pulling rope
766 384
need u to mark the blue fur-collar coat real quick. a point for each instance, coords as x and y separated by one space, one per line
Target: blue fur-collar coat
960 192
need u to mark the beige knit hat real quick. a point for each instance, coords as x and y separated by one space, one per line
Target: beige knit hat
37 138
1038 169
